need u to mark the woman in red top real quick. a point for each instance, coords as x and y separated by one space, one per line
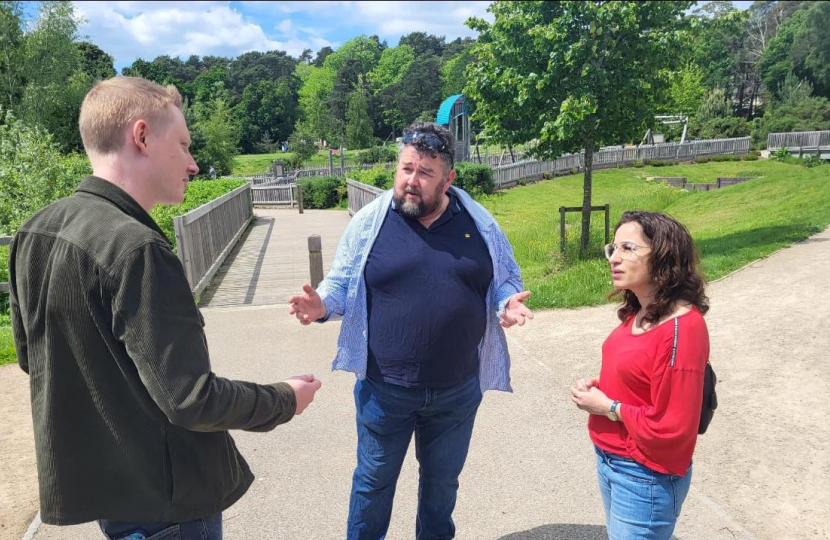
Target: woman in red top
645 405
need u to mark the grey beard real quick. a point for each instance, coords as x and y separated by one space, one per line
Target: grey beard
414 210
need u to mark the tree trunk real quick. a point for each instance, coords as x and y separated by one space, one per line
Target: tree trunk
586 195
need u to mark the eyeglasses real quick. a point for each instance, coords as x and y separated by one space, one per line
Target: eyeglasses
628 250
433 142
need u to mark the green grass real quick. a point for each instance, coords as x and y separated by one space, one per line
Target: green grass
7 354
782 204
257 163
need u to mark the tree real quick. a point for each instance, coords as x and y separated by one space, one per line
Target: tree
301 143
306 57
687 91
573 75
392 65
268 109
55 81
358 123
322 54
95 62
453 73
424 44
11 54
214 136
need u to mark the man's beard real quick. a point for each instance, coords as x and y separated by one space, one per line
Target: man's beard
417 209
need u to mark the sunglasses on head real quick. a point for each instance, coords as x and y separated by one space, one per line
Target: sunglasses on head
433 142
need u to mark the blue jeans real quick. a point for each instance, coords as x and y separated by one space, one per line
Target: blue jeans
209 528
640 503
387 415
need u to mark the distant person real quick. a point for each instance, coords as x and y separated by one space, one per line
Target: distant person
425 280
131 424
645 405
212 172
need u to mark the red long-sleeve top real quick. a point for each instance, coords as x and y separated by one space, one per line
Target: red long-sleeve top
660 402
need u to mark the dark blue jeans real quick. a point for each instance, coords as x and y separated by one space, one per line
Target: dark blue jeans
387 415
209 528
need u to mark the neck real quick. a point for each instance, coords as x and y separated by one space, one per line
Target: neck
126 178
645 297
429 219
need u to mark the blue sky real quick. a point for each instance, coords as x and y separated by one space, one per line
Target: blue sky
142 29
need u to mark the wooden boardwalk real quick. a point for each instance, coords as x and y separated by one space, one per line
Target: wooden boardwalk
270 262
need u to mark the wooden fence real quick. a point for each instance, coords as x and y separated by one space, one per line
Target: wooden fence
360 195
5 241
510 175
800 143
206 235
275 195
339 171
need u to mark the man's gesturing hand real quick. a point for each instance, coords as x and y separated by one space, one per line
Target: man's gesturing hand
307 307
515 312
305 386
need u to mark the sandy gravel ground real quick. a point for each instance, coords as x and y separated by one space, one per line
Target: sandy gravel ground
760 473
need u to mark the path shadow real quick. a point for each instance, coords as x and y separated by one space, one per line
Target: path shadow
562 531
258 221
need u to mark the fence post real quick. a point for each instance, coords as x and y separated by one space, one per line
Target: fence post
342 161
315 259
607 221
300 197
331 163
562 229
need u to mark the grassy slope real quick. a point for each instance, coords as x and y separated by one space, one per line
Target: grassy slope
782 204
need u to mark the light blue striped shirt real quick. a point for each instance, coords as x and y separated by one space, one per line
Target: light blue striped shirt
344 290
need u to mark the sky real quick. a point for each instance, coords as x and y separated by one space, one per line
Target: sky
131 30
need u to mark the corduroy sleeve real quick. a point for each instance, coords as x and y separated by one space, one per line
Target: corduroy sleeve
156 318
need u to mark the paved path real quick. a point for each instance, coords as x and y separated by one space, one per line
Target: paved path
761 472
270 262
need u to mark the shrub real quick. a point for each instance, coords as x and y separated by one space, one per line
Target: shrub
474 178
376 154
752 155
780 155
658 162
322 191
379 176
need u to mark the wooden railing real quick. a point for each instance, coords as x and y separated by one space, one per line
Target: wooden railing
360 195
282 194
206 235
338 171
509 175
5 241
801 142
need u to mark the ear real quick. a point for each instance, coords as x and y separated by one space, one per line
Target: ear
138 136
448 181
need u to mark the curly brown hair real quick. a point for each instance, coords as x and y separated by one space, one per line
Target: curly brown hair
673 265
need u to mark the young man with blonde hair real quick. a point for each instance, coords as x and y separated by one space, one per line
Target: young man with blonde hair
131 424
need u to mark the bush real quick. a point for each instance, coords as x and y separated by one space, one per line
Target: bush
380 177
376 154
812 161
724 128
780 155
752 155
33 172
724 157
658 162
474 178
322 191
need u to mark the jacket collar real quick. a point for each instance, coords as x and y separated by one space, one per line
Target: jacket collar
104 189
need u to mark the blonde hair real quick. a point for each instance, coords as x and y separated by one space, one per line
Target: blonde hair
112 104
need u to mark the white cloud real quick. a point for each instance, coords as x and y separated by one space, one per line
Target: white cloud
130 30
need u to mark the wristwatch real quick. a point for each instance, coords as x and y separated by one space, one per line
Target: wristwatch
612 414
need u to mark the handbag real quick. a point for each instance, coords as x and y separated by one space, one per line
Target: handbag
710 397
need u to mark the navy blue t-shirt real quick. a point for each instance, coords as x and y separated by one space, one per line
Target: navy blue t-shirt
426 292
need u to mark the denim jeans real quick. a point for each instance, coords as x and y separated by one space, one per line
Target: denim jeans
387 415
640 503
209 528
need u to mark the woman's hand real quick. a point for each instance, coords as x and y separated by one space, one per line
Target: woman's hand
589 398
